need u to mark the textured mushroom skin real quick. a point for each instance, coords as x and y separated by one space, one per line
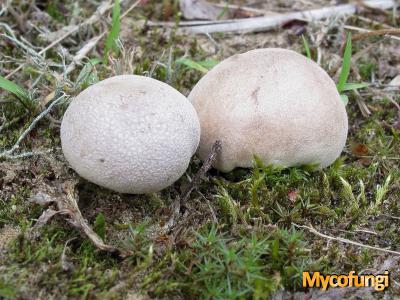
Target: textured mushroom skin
273 103
131 134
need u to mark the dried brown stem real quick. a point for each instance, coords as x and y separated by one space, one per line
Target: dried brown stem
380 32
216 148
179 202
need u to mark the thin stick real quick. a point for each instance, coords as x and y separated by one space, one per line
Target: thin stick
216 148
83 52
372 33
373 22
343 240
366 231
180 201
130 9
266 23
393 217
363 30
7 153
383 157
27 154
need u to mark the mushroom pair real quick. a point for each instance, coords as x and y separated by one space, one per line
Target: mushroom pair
134 134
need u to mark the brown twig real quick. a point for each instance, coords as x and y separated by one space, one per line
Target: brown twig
363 30
216 148
179 202
380 32
372 22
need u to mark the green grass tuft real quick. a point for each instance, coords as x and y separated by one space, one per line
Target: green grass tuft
22 94
306 46
111 44
345 72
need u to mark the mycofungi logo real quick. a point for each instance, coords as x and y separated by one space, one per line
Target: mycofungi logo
379 282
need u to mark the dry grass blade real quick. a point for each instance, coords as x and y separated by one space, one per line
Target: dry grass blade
364 31
343 240
374 33
82 53
7 154
102 9
91 44
66 264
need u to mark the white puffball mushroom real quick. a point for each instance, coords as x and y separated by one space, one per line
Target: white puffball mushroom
131 134
273 103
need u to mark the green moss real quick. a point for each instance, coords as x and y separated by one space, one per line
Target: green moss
219 266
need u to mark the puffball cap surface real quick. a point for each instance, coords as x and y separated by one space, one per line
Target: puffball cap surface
273 103
131 134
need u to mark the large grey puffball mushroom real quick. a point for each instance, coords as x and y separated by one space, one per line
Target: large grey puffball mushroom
273 103
131 134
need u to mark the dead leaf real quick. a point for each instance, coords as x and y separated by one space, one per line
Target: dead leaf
293 195
66 204
395 81
359 149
